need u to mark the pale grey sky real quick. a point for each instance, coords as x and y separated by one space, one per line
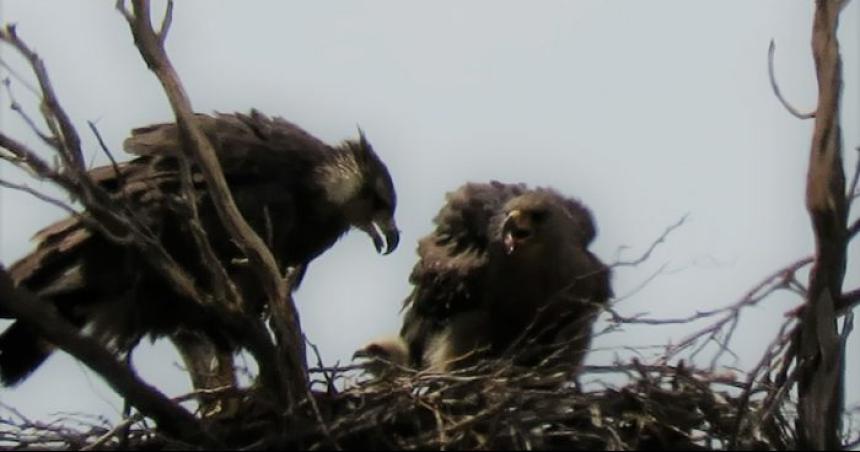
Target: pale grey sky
646 111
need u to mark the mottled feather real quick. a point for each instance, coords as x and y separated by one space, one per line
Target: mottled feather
473 296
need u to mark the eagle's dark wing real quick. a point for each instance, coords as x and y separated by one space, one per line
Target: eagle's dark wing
105 287
452 261
299 194
246 145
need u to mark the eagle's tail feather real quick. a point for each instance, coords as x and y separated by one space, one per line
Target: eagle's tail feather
21 352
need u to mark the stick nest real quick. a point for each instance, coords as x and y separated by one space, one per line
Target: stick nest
494 406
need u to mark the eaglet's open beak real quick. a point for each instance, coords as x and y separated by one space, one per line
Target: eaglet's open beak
384 227
516 229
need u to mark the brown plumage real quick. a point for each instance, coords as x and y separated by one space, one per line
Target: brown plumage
506 272
297 192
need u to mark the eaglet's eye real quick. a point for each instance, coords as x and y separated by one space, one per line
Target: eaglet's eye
539 216
520 234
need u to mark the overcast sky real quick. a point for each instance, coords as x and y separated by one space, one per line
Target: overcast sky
646 111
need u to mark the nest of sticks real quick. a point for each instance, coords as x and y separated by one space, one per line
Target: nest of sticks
492 406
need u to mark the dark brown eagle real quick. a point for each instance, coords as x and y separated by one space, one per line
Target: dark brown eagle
298 193
505 273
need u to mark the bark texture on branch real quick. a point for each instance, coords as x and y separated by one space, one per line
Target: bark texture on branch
170 417
292 362
820 358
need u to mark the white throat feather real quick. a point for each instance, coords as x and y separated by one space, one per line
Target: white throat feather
341 178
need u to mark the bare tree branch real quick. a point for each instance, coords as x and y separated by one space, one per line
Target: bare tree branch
848 301
16 107
654 244
780 347
107 152
124 226
55 115
276 286
820 354
170 417
166 21
770 72
851 194
199 147
41 196
721 331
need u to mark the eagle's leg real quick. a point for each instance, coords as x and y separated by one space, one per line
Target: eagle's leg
211 368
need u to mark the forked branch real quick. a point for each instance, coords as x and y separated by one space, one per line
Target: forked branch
274 283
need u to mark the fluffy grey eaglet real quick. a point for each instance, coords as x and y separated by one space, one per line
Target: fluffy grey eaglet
298 193
506 272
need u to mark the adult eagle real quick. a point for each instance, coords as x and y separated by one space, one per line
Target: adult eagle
298 193
506 272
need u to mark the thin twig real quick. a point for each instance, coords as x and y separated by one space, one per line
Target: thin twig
852 193
107 152
16 107
50 103
41 196
166 21
288 373
776 280
770 71
651 248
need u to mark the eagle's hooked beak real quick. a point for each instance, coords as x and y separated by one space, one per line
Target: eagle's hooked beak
386 228
515 229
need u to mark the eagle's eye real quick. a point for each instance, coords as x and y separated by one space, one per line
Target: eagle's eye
381 200
380 203
374 199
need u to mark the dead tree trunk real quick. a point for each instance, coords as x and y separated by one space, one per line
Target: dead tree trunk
820 357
